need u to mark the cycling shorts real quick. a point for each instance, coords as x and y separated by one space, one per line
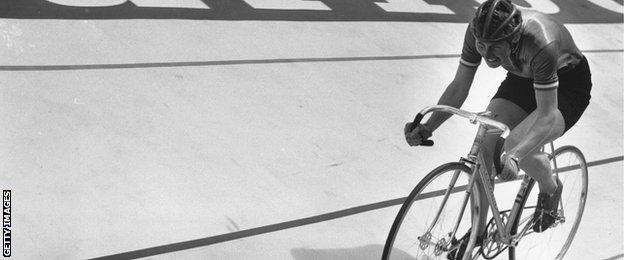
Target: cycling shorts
573 94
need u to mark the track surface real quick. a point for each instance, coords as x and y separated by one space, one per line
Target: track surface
256 136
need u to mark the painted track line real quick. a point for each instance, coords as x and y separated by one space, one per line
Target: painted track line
620 256
235 62
295 223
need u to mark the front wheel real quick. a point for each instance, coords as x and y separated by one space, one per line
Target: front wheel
423 228
569 164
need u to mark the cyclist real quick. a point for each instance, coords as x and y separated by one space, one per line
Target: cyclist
546 90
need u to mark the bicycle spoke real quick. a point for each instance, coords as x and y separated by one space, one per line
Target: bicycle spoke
426 224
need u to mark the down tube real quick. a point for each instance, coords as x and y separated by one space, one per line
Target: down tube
489 193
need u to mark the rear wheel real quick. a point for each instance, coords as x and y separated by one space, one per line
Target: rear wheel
570 166
418 231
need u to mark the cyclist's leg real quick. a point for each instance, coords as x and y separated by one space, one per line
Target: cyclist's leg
572 97
509 106
504 111
507 112
537 164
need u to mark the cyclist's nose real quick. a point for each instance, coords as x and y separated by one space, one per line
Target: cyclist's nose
489 53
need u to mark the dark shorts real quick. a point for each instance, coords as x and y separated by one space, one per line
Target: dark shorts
573 92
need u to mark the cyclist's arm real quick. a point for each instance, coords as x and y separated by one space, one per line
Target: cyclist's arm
455 94
544 124
545 85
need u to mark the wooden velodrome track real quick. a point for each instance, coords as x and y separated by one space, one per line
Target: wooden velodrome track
256 129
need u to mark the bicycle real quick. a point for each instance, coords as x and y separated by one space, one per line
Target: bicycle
438 196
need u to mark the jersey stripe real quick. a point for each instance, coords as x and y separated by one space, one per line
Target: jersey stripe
469 64
549 86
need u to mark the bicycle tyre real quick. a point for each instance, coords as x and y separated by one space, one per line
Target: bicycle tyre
579 169
417 195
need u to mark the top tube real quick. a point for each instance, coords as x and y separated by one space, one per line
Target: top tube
473 117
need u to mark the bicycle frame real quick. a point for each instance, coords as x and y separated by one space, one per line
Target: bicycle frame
475 161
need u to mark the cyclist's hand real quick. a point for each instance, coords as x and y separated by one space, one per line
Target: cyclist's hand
510 167
418 135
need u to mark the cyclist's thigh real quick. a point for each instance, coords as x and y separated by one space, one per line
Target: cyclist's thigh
507 112
513 101
521 130
504 111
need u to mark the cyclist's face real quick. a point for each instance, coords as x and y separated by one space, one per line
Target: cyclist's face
493 52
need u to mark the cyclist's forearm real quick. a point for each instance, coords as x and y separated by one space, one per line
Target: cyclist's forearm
450 97
534 139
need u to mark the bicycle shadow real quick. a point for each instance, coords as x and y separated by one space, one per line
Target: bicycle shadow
368 252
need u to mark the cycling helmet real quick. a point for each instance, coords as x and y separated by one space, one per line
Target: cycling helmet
496 20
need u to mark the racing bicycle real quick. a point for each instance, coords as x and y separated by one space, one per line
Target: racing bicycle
433 217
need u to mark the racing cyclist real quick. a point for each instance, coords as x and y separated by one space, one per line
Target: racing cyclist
545 92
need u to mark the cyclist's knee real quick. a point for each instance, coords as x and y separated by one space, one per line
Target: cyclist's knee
512 141
535 162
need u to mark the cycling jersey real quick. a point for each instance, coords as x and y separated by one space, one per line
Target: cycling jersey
545 46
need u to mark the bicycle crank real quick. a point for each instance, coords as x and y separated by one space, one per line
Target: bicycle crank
493 245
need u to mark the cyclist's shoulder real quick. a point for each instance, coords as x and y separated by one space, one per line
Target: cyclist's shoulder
540 30
470 56
541 35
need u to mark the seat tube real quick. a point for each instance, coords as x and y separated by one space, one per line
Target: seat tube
476 144
518 205
488 188
486 177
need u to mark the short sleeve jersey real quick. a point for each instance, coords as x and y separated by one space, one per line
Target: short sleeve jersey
545 46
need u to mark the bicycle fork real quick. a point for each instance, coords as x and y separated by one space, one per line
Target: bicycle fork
445 245
425 239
